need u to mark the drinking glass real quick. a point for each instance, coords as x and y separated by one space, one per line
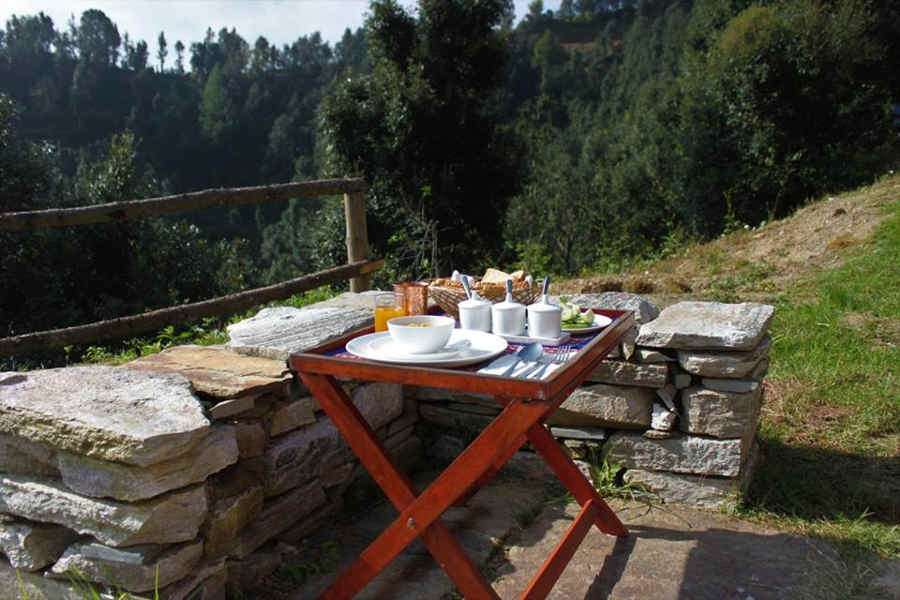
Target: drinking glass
415 296
387 307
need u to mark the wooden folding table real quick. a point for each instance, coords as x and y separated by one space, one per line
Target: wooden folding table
526 405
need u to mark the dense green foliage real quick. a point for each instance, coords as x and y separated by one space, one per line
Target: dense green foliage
85 119
563 143
421 129
70 276
697 114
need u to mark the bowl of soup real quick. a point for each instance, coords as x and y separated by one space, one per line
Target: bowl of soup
420 334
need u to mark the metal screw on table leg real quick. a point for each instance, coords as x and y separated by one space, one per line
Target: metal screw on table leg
410 523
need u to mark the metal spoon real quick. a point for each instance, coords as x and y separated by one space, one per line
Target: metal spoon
529 352
466 286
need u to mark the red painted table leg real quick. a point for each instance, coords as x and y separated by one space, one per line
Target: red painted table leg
565 549
419 516
491 472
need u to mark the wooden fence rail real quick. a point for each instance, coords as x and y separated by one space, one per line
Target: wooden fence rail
357 270
153 320
136 209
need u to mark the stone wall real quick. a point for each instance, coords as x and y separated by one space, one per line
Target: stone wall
210 464
199 462
677 404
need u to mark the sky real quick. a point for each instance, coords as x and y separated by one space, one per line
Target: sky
280 21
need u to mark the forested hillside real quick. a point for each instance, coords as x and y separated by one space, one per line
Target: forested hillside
572 141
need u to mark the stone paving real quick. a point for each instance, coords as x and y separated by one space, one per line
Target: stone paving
672 553
481 526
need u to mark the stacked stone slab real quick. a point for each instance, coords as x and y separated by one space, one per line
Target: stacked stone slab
722 356
203 463
677 403
104 470
623 392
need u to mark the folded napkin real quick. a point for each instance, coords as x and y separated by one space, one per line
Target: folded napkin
540 369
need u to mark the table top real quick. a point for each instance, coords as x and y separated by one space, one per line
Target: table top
330 359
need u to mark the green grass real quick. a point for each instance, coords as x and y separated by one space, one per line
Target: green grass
88 590
746 276
830 432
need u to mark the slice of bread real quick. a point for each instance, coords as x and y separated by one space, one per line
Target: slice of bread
495 276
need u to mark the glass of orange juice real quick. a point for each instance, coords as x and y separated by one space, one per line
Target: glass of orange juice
387 307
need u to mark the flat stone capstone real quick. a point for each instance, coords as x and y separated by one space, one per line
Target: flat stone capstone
111 413
218 371
277 332
708 326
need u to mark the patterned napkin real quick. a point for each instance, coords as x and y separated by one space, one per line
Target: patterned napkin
541 369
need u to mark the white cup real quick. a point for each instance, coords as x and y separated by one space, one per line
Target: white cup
544 320
475 314
508 318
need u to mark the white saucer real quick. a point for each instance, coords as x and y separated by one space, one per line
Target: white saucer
600 321
381 347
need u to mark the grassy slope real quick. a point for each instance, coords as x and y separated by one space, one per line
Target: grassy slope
831 423
830 430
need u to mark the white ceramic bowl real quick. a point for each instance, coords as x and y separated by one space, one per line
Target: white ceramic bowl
420 334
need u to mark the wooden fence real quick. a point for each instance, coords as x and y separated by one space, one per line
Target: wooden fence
357 269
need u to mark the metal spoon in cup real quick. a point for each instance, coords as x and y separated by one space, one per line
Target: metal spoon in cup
466 286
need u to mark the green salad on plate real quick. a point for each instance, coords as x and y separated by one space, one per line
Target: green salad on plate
574 317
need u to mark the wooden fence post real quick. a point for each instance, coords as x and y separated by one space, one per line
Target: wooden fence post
357 236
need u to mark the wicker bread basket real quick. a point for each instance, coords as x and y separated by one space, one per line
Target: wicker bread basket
448 294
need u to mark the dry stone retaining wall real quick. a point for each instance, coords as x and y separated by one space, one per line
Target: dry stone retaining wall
206 465
677 404
202 463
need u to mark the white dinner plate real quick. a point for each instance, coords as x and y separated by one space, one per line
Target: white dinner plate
381 347
600 321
